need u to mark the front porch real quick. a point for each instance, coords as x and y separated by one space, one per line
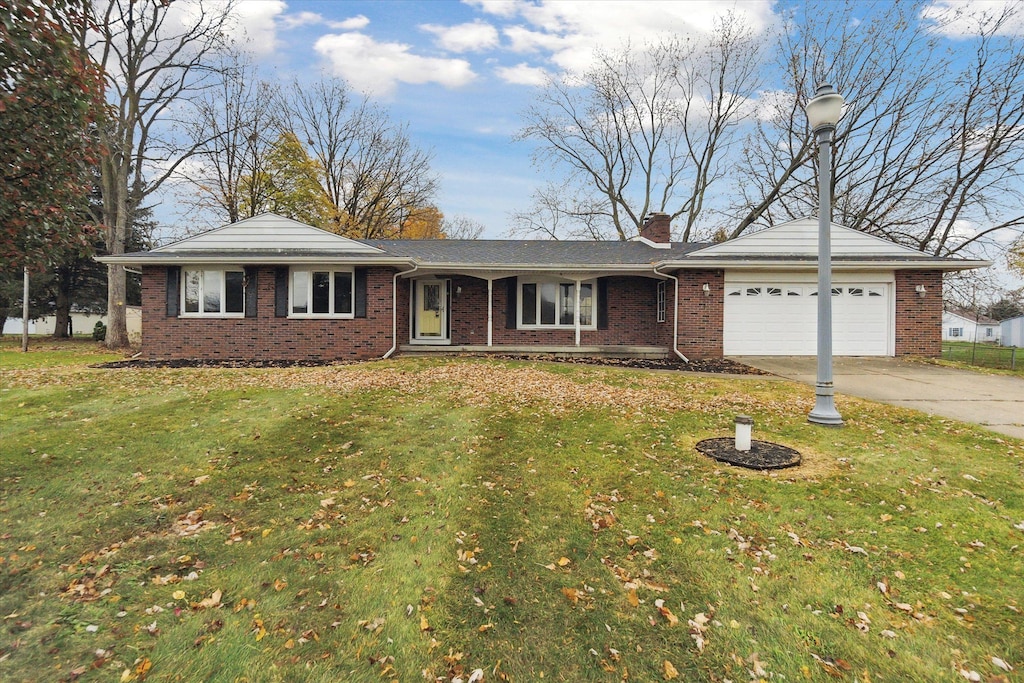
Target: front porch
553 351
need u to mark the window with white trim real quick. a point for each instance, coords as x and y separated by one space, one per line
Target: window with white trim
321 292
213 293
956 332
553 304
661 301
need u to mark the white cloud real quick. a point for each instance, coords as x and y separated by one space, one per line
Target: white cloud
522 74
501 8
378 68
257 26
470 37
962 18
296 20
571 30
351 24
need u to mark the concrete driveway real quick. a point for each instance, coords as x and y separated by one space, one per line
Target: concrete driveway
993 401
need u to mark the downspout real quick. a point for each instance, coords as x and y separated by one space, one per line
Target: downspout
490 311
394 310
675 316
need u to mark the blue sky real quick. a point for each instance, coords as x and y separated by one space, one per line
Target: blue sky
459 73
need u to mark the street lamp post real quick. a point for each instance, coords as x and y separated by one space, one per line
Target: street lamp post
823 112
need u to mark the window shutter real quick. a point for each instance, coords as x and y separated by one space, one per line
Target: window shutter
602 303
360 285
512 286
173 290
250 291
281 292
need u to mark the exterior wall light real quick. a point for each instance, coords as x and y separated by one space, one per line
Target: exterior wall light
706 289
921 290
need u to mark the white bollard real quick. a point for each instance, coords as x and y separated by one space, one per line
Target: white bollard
744 425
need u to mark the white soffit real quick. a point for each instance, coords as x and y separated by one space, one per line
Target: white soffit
265 232
800 238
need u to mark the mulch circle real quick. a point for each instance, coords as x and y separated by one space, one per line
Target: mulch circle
763 455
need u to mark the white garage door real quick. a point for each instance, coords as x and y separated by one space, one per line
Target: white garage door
774 315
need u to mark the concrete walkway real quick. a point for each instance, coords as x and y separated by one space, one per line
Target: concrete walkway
993 401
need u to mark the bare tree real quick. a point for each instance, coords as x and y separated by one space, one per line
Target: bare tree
929 142
371 171
233 132
461 227
155 56
644 130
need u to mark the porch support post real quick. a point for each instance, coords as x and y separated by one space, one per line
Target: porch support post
490 311
576 313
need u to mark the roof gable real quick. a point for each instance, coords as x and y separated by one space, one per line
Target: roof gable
268 232
800 238
970 317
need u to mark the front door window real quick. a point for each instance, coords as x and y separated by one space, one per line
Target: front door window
430 310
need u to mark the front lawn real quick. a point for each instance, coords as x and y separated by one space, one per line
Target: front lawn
490 520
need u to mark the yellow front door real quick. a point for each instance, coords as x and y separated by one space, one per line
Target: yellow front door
430 309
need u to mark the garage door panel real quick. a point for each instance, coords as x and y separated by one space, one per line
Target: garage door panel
779 317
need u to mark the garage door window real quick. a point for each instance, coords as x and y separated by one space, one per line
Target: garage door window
855 291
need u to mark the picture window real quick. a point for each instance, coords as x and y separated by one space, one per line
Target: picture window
213 293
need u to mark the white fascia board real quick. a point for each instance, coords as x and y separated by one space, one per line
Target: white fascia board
262 260
836 265
535 267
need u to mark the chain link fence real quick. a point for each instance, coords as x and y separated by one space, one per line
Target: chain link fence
984 355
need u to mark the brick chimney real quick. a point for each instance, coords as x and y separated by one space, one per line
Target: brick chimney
657 228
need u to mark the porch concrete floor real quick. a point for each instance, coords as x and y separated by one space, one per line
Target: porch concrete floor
534 350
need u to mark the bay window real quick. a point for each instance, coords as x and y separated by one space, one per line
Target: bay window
553 304
321 292
215 293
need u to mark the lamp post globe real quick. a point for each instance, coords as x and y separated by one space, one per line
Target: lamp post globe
823 112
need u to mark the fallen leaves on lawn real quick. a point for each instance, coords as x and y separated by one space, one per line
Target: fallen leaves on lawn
210 602
191 523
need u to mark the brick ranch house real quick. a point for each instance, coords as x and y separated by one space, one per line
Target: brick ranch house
272 288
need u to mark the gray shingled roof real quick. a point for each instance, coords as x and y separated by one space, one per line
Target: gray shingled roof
532 252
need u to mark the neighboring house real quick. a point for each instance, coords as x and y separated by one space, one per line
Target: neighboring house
272 288
1011 332
962 325
15 326
83 323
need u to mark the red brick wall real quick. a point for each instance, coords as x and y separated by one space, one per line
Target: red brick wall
267 337
701 318
918 320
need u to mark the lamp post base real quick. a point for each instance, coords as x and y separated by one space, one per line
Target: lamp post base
824 412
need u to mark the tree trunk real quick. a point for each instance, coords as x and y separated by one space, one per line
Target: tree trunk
117 286
62 311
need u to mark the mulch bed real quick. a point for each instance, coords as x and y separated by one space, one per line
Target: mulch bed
197 363
713 365
763 455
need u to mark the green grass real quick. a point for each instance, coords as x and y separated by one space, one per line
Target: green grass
984 355
420 519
